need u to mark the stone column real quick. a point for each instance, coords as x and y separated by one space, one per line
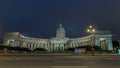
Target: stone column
80 44
70 46
36 45
102 45
44 45
73 44
77 44
31 47
53 46
59 47
56 48
48 48
24 44
97 42
63 46
110 47
41 45
28 45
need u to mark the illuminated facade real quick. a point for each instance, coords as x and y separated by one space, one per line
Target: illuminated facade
60 42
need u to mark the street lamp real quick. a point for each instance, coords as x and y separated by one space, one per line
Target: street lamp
91 31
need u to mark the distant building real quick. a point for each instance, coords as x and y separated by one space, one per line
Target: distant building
102 39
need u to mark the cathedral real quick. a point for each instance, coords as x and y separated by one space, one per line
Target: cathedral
102 39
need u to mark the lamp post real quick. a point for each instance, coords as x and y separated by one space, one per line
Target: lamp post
91 31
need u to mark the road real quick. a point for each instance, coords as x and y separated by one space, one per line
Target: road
60 61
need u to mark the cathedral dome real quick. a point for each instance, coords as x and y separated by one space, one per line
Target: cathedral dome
60 29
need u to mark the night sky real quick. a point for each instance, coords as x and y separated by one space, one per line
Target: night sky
41 18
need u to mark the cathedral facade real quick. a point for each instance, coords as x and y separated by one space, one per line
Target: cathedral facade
102 39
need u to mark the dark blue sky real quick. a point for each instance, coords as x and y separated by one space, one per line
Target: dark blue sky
41 18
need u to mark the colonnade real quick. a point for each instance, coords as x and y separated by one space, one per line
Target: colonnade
103 41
